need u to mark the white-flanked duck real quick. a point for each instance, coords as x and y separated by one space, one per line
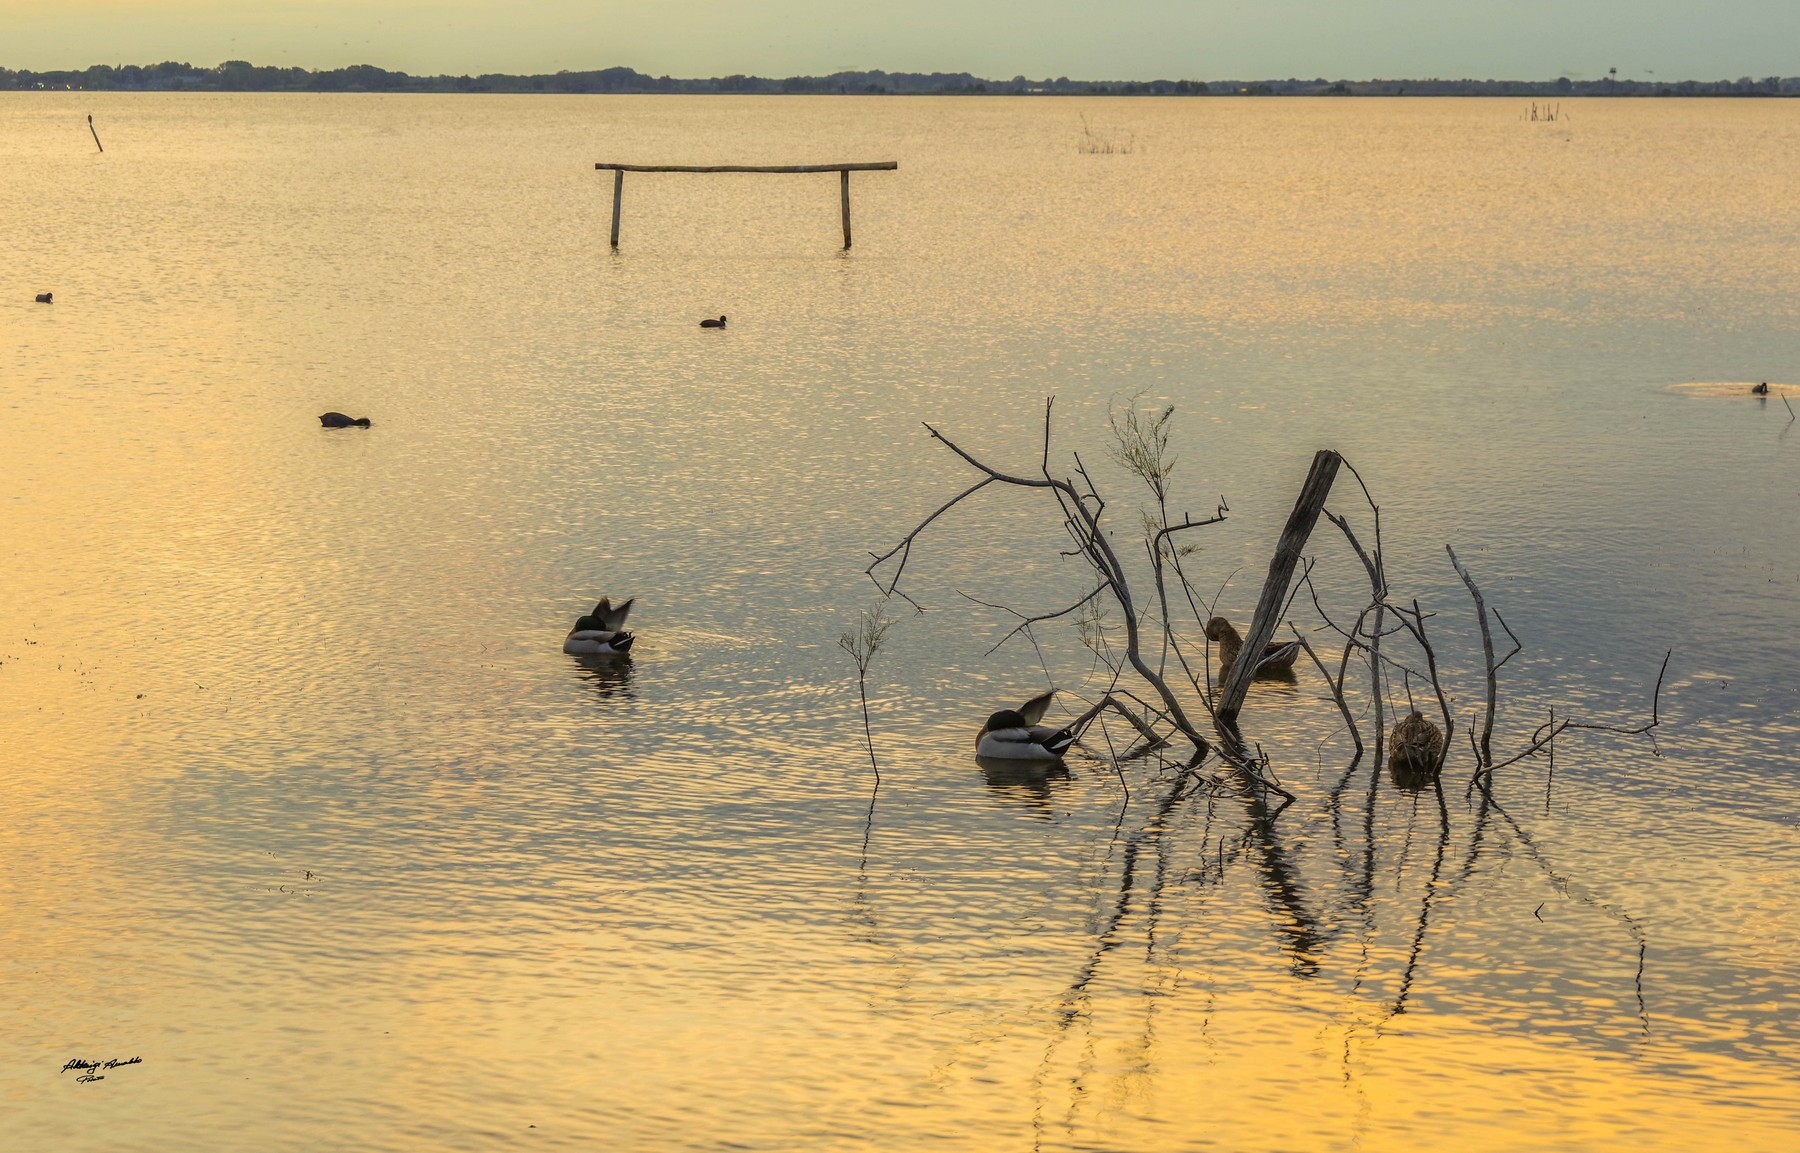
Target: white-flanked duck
1016 735
1277 656
601 633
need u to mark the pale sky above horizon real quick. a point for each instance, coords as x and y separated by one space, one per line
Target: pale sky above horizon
1085 39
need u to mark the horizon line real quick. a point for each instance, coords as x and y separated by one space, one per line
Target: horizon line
241 75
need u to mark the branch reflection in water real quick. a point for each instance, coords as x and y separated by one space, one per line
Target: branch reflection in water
1358 917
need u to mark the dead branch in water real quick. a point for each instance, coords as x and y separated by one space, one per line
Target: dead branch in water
1336 687
862 643
1486 749
1270 604
1655 712
1414 623
1141 445
904 548
1368 639
1082 508
1148 644
1109 701
1149 648
1547 733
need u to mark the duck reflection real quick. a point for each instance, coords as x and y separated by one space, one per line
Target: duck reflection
610 676
1410 777
1033 784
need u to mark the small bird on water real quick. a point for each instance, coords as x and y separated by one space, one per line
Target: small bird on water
1015 735
601 633
719 323
1417 747
44 297
339 420
1277 656
1757 390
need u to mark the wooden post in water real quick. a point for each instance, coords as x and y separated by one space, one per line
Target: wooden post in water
618 195
102 147
1274 594
844 187
843 171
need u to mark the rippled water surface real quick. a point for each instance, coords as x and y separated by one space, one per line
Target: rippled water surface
305 808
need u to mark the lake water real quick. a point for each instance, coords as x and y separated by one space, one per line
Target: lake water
305 808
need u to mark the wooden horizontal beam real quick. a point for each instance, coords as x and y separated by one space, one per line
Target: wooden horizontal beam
843 171
878 166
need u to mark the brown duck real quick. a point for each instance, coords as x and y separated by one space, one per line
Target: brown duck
1277 656
1416 747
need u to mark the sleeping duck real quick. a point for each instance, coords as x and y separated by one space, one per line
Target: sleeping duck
1015 735
601 633
1417 748
339 420
1277 656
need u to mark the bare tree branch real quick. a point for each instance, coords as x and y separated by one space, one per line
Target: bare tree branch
1655 714
1518 645
1081 513
1025 622
1543 738
1294 534
904 548
1187 522
1337 693
1487 652
1416 626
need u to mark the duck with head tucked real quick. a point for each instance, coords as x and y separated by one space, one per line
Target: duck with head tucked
339 420
1277 656
601 633
1416 749
1016 735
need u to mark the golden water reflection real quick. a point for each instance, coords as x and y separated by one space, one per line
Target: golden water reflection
306 807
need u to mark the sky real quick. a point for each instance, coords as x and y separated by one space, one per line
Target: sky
1084 39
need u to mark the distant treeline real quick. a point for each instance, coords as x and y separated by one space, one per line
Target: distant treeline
240 76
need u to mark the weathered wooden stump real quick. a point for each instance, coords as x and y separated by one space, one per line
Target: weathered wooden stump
1274 593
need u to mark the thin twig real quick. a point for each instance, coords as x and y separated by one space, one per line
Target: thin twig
1025 621
1487 652
1655 714
1518 645
1337 693
904 548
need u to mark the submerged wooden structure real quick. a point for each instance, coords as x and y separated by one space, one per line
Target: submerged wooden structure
843 171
